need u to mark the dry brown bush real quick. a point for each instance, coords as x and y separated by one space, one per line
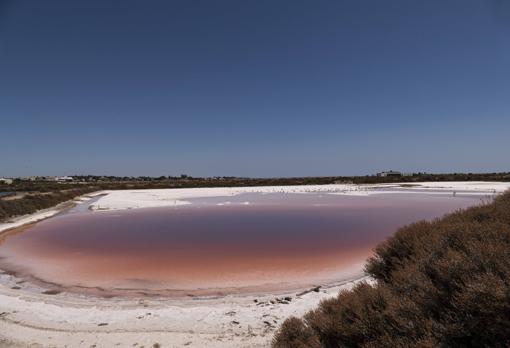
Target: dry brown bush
294 333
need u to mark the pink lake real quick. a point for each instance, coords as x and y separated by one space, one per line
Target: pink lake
273 242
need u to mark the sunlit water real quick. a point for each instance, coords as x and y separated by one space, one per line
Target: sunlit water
248 242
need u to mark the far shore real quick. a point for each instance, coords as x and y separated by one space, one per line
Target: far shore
151 198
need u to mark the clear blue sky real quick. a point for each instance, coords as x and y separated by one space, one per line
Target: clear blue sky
253 88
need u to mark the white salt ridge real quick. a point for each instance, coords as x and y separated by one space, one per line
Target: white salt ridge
27 219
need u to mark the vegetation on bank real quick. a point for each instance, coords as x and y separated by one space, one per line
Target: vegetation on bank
30 203
444 283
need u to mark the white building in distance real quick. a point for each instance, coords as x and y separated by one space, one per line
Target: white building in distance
393 173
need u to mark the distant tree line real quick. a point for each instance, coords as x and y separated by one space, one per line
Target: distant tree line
183 181
444 283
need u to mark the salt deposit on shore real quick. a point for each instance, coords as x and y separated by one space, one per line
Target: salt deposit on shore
29 317
133 199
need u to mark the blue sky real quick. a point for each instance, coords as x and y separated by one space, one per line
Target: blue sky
253 88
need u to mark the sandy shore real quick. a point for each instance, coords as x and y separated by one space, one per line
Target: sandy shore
33 317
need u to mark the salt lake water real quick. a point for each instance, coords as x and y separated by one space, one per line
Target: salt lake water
216 246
